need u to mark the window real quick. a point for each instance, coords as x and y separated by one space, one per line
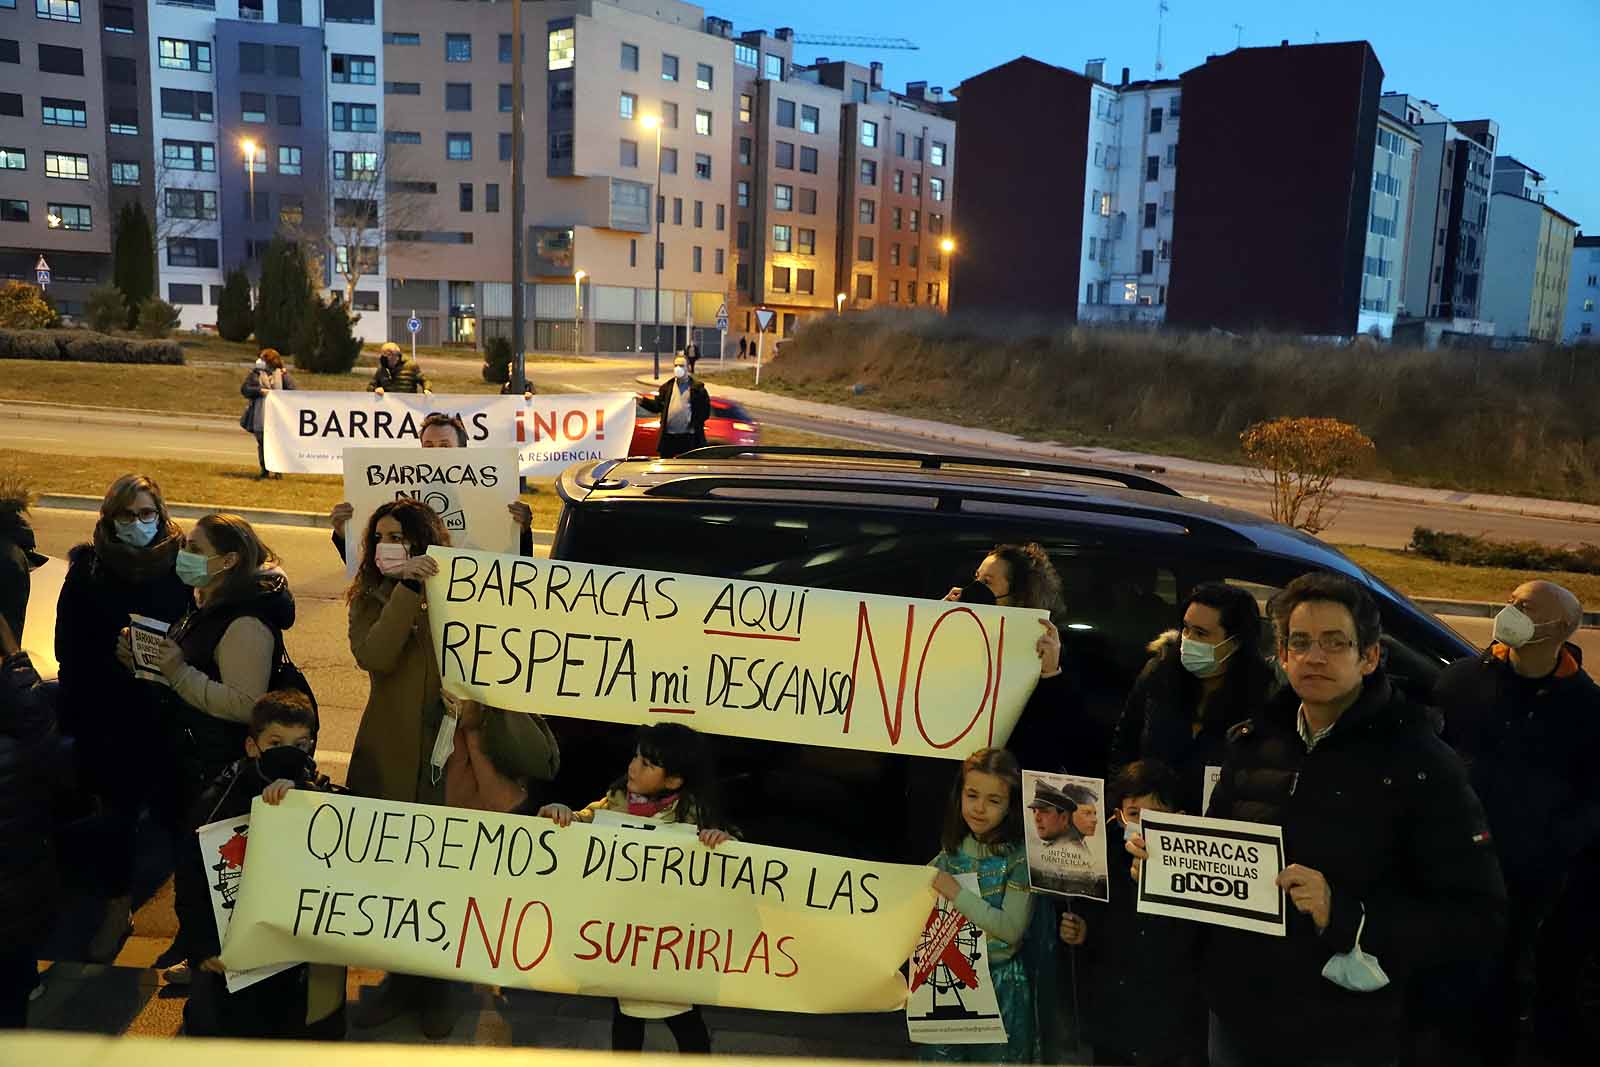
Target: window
53 59
252 58
900 145
402 137
58 10
742 194
864 249
805 281
457 96
289 159
72 216
491 197
786 114
291 209
405 40
783 156
935 223
810 119
933 294
696 263
936 153
745 55
125 173
191 252
1105 205
1172 155
783 197
630 55
916 219
806 241
563 48
719 260
68 165
10 50
722 217
1152 168
257 162
1174 106
13 211
1149 215
627 105
116 18
869 134
808 159
895 218
288 111
894 290
916 149
14 159
184 55
894 254
458 145
916 185
864 286
286 64
253 107
867 212
458 48
354 166
743 238
702 165
355 118
669 68
402 88
702 123
899 181
669 114
289 13
184 104
808 201
703 75
184 293
780 279
746 105
781 238
561 94
464 197
56 111
699 214
629 156
869 172
669 161
350 70
746 151
1155 120
191 204
774 68
121 70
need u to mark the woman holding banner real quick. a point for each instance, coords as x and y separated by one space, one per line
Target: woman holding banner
268 374
405 718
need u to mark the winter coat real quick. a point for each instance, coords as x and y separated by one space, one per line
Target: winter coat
1054 732
391 641
1532 749
30 776
101 703
699 406
257 384
1381 807
405 377
1158 721
17 558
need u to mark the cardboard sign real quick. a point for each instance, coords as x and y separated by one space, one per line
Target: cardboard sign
307 431
952 999
147 635
222 850
468 488
1065 834
1217 871
727 656
504 900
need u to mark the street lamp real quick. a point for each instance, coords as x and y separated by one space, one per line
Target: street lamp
947 246
839 300
250 169
653 122
577 306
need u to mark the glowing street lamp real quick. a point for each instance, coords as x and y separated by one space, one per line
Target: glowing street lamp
839 301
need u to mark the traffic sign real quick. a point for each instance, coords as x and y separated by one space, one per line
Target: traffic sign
722 316
414 324
765 319
41 272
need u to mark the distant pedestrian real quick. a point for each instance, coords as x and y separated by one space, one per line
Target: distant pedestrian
268 374
744 346
397 373
685 406
691 352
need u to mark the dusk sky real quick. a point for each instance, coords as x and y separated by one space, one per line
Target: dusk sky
1531 67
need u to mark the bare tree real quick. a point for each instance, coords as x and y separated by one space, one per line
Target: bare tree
182 209
370 202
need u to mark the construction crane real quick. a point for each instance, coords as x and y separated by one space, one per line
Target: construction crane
829 40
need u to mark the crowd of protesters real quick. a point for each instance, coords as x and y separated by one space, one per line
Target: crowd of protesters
1427 847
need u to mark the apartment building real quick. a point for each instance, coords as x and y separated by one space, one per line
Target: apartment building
54 189
1525 277
1582 324
1395 161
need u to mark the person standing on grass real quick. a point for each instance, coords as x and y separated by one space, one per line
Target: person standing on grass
397 373
268 374
1525 717
685 406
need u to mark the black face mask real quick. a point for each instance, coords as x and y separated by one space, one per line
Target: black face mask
286 761
977 593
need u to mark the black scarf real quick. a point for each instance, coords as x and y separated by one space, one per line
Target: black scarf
137 565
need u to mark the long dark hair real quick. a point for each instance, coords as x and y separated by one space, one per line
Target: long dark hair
682 752
230 533
1248 680
421 526
1033 578
1003 765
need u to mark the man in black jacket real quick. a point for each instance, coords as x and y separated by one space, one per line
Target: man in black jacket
1525 718
685 406
1387 846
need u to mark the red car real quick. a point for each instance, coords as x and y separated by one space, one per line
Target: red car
729 424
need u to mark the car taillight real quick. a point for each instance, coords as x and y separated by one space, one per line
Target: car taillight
744 427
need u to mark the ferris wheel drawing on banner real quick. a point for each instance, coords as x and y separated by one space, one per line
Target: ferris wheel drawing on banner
230 866
951 961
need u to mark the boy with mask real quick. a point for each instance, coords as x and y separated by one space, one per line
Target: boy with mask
302 1002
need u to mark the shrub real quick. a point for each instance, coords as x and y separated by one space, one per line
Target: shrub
1472 551
23 307
105 310
497 360
157 318
236 319
86 347
336 346
1300 458
96 348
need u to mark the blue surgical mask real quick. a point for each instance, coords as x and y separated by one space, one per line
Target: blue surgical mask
194 568
1201 659
137 533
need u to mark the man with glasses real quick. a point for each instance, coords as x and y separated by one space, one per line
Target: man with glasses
1389 861
1525 717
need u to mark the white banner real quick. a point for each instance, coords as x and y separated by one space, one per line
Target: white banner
308 430
1218 871
469 489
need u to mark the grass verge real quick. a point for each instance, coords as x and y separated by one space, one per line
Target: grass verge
215 348
1418 576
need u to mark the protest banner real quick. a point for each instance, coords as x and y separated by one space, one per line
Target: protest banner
223 845
468 489
308 430
1218 871
1066 848
506 900
952 999
147 634
747 659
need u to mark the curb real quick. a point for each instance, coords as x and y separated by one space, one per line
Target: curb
130 417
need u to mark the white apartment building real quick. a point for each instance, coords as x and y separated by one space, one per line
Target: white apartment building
1583 293
1395 158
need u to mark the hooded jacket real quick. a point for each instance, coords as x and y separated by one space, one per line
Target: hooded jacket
1532 749
18 555
1381 807
404 376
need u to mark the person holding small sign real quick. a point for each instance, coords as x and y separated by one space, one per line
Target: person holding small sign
1390 865
397 372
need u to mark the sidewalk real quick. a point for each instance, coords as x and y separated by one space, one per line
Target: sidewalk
948 434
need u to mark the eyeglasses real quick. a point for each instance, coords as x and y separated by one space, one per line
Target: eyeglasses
1332 644
127 516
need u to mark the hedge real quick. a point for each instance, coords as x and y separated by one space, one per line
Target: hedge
85 346
1472 551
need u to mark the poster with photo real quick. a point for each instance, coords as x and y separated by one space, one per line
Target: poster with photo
1064 828
952 999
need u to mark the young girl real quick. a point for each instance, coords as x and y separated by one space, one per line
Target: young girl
671 779
983 835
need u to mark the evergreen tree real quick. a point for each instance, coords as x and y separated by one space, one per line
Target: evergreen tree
134 260
336 346
285 305
235 317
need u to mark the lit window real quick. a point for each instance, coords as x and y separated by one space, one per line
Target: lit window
627 104
458 145
781 241
669 68
745 107
68 217
702 123
745 55
458 48
58 11
124 174
703 76
869 134
563 48
68 165
289 159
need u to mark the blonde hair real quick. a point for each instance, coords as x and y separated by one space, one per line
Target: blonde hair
120 498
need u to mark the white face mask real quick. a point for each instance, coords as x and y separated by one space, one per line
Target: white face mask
1513 628
1202 660
680 372
390 558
